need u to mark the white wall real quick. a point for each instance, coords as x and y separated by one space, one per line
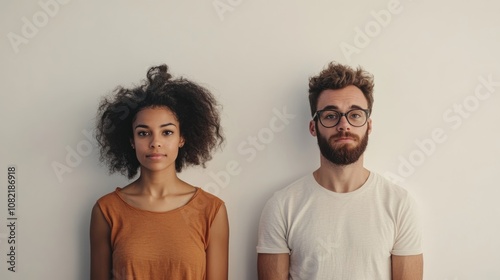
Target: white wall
429 58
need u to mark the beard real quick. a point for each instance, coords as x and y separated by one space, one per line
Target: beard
345 154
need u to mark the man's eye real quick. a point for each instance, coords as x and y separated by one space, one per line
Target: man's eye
331 116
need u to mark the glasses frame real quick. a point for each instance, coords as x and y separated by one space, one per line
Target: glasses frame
316 116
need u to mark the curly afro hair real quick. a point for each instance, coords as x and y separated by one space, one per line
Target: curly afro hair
338 76
194 107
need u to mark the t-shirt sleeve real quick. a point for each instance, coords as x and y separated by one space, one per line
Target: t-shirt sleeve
105 204
408 239
272 234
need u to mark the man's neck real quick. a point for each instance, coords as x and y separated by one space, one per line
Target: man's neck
341 179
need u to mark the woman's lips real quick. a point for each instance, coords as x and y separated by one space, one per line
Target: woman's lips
155 156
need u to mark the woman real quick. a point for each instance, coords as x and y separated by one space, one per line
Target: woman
158 226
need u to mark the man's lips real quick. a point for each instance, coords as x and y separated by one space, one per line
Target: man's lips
343 139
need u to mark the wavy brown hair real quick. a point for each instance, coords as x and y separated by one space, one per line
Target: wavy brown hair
193 105
338 76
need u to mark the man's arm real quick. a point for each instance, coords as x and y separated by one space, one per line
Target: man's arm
407 267
273 266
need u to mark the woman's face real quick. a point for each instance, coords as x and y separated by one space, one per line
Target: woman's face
157 139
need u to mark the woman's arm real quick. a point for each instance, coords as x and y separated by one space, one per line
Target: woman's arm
100 246
218 247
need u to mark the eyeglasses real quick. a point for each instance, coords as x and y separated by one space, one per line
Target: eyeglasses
330 118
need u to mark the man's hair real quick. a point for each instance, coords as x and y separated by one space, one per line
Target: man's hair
194 107
338 76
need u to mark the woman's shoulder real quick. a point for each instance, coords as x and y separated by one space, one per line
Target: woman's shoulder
109 197
208 196
205 202
200 197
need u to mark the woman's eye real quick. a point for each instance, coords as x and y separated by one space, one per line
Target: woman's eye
168 132
142 133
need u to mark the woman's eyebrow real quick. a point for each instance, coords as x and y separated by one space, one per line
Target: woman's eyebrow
146 126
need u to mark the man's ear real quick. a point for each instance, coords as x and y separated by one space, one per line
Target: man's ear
369 126
312 128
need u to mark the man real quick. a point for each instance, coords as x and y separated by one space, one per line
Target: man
342 221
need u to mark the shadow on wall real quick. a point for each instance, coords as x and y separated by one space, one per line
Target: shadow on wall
83 255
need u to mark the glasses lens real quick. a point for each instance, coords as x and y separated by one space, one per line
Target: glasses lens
356 117
329 118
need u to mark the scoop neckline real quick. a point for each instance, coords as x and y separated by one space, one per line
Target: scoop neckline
118 190
366 185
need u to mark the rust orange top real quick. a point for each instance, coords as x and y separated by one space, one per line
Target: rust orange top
160 245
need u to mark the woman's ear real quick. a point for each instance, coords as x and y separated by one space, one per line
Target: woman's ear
182 142
132 143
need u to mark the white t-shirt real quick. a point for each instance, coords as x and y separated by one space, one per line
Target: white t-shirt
343 236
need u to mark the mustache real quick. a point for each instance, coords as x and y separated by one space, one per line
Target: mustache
344 134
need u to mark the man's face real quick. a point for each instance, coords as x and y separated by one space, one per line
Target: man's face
342 144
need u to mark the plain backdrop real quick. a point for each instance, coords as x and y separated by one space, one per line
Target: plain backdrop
436 118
